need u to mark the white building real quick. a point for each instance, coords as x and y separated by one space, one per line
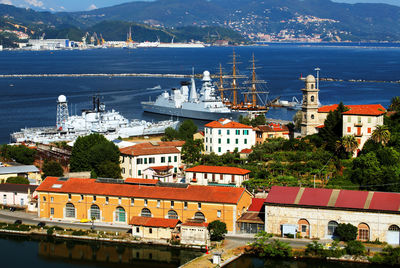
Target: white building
195 233
216 175
315 213
226 135
50 44
140 157
359 120
18 196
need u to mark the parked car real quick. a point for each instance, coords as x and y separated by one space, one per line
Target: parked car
41 224
18 222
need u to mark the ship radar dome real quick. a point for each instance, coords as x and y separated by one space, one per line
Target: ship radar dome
206 76
62 98
310 79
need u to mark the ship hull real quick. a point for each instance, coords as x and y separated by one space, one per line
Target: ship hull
193 114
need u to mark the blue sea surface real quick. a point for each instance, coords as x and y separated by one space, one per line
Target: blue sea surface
31 102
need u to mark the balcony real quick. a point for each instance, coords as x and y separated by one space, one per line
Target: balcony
358 134
358 124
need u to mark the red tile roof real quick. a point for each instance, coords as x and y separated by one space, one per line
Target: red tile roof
226 123
194 193
272 127
359 200
140 181
256 204
218 170
246 151
153 148
153 222
199 224
364 109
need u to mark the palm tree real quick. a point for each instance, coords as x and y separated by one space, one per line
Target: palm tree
395 105
348 143
381 134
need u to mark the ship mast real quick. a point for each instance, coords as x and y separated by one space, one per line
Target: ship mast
253 88
234 79
253 85
221 83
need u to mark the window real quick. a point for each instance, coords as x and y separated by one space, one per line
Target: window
158 203
44 199
206 139
206 148
210 130
210 140
210 148
205 176
81 197
304 228
219 149
169 159
137 229
94 198
69 196
221 177
228 141
199 216
163 159
219 140
175 158
369 130
206 130
245 141
150 230
394 228
185 205
120 214
359 119
213 179
51 211
52 199
145 161
199 205
349 119
69 210
219 132
233 179
219 213
152 160
172 204
145 213
95 212
237 141
348 129
237 132
369 119
21 202
123 170
175 170
119 200
5 199
145 202
139 172
332 225
172 214
363 232
107 199
312 98
139 161
228 132
132 201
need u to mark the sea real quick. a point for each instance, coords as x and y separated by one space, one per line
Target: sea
31 102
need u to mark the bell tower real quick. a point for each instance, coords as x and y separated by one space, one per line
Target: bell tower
310 107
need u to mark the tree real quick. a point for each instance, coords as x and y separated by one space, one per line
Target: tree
191 151
187 129
94 153
297 119
20 154
52 168
217 230
395 105
389 256
381 134
355 248
17 180
265 247
170 134
346 232
348 143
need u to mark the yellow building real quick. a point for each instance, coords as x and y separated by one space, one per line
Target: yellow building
76 199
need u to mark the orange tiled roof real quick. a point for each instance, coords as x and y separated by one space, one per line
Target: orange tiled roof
246 151
140 181
152 148
363 109
272 127
195 193
226 123
219 170
153 222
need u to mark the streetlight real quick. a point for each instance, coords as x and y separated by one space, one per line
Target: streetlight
317 69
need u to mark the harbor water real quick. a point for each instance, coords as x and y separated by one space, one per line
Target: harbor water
31 102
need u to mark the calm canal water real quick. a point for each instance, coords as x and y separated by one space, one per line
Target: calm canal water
24 252
254 262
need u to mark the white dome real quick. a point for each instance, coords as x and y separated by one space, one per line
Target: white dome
310 79
206 76
62 98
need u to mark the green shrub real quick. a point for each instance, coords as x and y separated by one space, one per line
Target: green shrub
388 256
315 249
265 247
355 248
50 231
79 232
217 230
346 232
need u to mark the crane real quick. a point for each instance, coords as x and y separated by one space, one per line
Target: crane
84 38
102 41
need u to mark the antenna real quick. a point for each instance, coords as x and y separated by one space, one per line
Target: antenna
317 69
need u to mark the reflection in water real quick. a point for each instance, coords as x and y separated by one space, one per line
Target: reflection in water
104 254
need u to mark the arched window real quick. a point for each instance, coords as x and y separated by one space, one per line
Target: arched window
199 216
363 232
312 98
172 214
304 227
69 210
95 212
312 116
145 213
312 86
332 225
120 214
394 228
